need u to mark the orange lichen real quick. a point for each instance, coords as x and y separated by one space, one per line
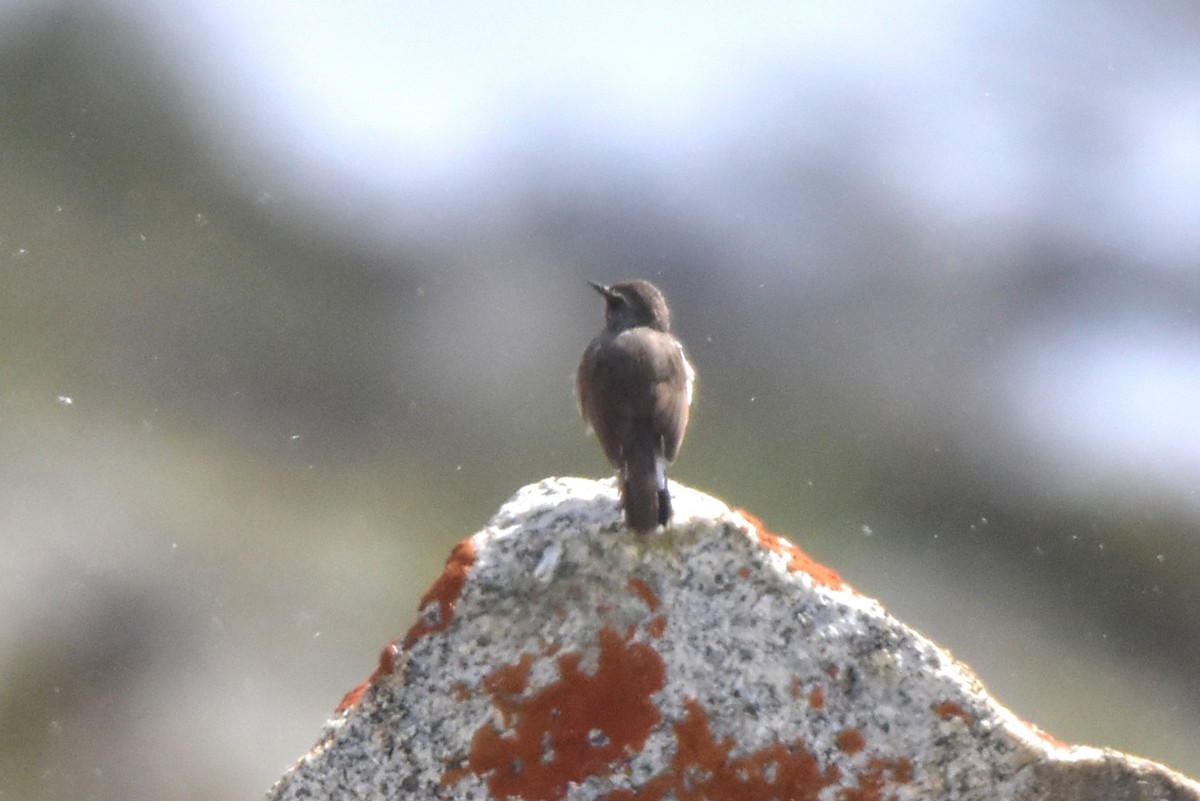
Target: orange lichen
508 680
948 709
873 781
656 626
797 560
1046 737
354 696
574 728
816 698
386 666
648 596
850 741
444 591
704 768
583 726
388 657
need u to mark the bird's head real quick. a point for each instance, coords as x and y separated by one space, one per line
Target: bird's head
629 304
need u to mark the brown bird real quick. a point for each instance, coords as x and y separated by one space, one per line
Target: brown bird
635 391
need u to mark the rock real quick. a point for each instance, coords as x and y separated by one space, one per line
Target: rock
560 656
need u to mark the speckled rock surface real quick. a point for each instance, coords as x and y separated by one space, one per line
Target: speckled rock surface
560 656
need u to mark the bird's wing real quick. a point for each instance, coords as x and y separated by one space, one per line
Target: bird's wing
673 398
642 379
602 416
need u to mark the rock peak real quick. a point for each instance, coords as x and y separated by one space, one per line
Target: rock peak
561 656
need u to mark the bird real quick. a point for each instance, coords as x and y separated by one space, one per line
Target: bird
635 387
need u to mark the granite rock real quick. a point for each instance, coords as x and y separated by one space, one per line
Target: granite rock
560 656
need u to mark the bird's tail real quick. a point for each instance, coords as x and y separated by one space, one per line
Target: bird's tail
644 492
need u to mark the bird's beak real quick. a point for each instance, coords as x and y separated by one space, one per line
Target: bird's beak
602 289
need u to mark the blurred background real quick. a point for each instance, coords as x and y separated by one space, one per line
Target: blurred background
292 296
